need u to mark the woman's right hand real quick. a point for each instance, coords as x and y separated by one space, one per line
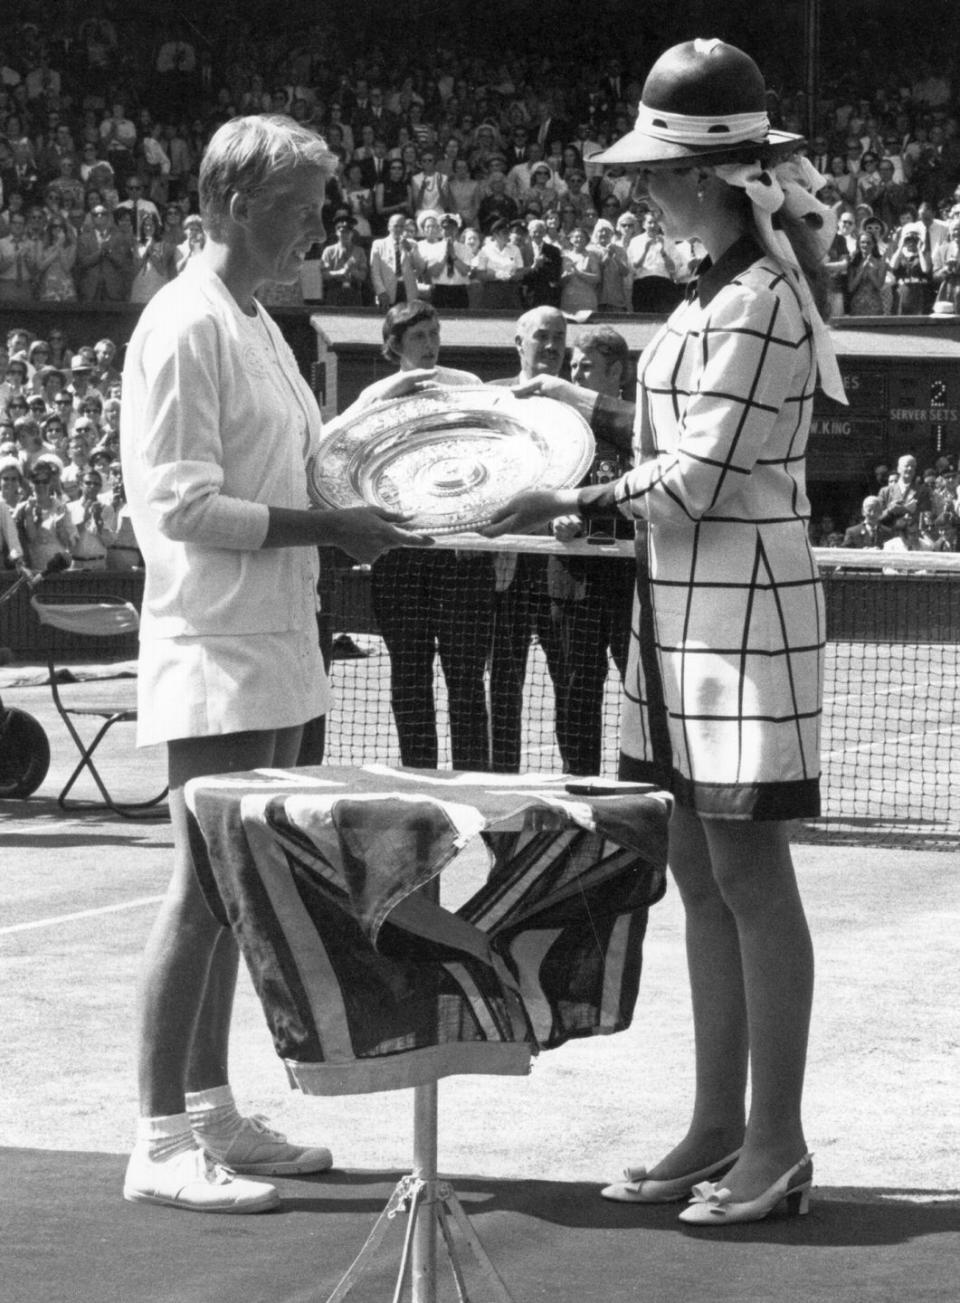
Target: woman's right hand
366 532
530 510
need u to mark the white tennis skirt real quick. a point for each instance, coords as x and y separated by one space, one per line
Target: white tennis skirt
204 687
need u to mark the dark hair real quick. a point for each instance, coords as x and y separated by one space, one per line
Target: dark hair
606 341
399 320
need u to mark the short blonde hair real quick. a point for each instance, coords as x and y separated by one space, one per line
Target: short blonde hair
247 154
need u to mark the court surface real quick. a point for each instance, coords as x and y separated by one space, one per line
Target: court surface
77 895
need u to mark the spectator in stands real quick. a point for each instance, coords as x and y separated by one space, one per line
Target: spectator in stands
496 205
946 267
542 266
77 461
11 553
579 276
118 138
103 261
653 269
464 192
429 188
14 488
614 292
870 532
42 519
30 447
192 243
358 199
155 261
55 263
866 276
343 265
59 347
391 197
945 526
94 524
499 268
449 274
394 265
912 269
904 498
17 263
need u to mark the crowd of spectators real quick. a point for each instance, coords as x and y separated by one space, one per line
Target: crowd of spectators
466 178
467 174
61 483
904 510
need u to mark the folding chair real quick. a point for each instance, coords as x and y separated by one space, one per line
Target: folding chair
93 617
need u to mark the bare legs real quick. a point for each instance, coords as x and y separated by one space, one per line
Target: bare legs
190 962
751 977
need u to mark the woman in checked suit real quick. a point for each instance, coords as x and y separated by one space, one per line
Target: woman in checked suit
723 688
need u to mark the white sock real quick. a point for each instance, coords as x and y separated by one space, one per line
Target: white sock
213 1112
165 1137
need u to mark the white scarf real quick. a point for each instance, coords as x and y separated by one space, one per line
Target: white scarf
789 186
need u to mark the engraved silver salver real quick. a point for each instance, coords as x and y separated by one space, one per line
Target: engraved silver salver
449 458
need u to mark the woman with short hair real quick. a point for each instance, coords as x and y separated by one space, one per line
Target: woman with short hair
218 428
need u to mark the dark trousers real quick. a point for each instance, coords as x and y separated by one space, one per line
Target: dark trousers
591 620
428 604
521 612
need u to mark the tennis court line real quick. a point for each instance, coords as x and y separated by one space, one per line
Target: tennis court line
84 913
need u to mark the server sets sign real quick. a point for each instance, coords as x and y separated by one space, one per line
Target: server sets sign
903 406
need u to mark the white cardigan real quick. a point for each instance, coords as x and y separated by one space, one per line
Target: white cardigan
217 425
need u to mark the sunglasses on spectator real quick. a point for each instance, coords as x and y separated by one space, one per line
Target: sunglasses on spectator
93 484
41 479
9 479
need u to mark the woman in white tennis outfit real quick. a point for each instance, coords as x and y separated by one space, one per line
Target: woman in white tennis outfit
218 427
723 688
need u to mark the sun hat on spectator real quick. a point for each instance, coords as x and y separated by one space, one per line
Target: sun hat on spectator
450 219
79 363
426 215
703 102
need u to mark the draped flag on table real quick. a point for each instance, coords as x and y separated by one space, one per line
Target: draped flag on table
368 983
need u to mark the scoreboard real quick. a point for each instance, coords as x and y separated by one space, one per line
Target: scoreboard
896 405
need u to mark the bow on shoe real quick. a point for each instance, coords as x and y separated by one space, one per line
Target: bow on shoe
714 1197
635 1174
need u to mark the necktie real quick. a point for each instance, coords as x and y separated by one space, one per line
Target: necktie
396 258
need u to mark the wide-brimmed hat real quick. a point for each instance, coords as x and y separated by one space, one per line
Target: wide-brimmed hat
703 102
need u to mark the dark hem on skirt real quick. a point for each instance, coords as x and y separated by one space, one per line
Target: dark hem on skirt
757 802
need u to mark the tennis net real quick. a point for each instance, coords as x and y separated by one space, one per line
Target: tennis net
891 735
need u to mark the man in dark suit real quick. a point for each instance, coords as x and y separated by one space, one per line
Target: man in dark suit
375 113
543 264
869 533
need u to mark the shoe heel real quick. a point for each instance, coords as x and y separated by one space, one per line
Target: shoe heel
798 1200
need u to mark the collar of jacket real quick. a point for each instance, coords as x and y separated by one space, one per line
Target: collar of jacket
712 276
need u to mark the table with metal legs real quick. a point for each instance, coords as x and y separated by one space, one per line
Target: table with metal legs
329 880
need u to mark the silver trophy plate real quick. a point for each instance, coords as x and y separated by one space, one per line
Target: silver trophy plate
449 458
